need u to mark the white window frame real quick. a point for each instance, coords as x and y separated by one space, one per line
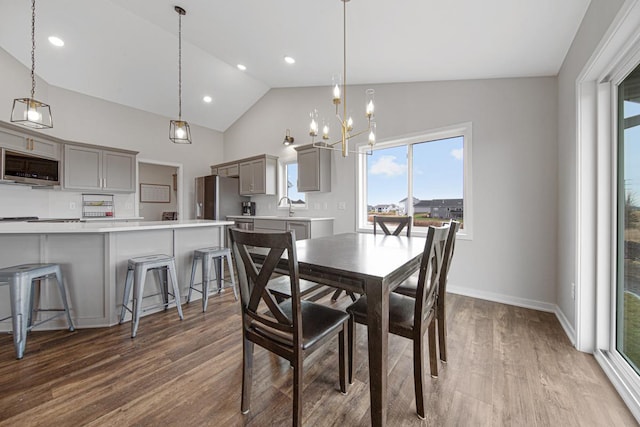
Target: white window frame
461 129
282 184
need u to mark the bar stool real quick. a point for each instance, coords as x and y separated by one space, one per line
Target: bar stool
205 255
21 280
163 266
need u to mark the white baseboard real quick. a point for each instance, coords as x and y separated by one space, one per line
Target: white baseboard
566 325
504 299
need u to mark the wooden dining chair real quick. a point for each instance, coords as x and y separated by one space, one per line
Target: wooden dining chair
409 288
292 329
382 221
400 221
412 317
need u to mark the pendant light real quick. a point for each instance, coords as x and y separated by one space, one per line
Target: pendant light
179 131
28 111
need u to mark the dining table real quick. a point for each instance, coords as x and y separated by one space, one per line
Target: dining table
372 265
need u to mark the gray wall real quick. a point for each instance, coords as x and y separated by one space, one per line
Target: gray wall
512 256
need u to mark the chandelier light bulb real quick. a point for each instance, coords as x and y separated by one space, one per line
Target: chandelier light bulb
313 126
325 131
33 115
349 124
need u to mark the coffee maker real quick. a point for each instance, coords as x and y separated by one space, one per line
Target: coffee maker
249 208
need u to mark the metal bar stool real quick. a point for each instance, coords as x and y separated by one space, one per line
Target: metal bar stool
205 256
22 280
164 267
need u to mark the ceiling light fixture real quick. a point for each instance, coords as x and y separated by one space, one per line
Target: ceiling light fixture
346 123
28 111
288 139
56 41
241 67
289 60
179 131
207 99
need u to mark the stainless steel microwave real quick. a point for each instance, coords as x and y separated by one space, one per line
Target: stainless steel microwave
30 169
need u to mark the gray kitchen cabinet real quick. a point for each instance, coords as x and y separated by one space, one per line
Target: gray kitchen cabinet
27 144
88 168
305 227
301 228
258 175
228 170
314 169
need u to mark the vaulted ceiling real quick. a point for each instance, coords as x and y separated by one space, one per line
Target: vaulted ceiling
126 51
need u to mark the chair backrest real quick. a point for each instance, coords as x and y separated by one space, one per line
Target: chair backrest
169 216
431 267
401 221
449 248
253 278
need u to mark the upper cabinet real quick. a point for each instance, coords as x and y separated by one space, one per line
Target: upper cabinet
258 175
314 169
30 145
94 169
226 169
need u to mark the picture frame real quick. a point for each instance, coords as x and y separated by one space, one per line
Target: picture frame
155 193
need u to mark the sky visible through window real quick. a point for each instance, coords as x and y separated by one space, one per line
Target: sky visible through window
437 172
292 184
632 154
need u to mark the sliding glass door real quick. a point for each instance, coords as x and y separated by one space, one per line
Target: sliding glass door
627 328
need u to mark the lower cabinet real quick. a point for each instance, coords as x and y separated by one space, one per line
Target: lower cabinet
305 228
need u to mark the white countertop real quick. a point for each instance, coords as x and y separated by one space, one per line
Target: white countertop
103 227
280 218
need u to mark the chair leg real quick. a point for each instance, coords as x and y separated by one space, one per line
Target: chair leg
442 333
127 294
176 288
20 294
194 264
247 371
418 375
231 276
433 357
351 342
206 277
336 294
352 296
63 295
138 292
342 355
297 388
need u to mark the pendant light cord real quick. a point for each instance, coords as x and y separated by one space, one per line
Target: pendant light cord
179 66
33 48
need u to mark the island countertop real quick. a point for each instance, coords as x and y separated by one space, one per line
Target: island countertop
103 227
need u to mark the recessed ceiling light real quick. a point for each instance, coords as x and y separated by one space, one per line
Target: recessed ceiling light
289 60
241 67
56 41
207 99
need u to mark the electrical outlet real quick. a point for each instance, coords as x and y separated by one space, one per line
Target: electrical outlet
128 206
326 206
72 205
573 290
342 206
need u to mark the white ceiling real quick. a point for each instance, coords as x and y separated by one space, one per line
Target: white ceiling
126 51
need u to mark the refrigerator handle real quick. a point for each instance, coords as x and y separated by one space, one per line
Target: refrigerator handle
199 210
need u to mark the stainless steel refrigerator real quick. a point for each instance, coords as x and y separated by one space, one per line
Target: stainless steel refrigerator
217 197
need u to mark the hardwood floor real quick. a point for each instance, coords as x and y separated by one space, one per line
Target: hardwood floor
507 366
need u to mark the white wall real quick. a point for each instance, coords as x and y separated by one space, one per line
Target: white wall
596 21
81 118
512 256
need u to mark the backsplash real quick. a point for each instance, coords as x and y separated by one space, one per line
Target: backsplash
18 200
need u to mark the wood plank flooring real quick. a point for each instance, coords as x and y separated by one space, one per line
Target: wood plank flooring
508 366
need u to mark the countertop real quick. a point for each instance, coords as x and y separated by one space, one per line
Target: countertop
281 218
103 227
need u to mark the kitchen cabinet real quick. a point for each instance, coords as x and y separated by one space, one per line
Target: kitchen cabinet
30 145
226 170
314 169
305 227
88 168
258 175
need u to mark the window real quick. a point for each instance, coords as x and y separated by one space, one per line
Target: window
425 176
288 185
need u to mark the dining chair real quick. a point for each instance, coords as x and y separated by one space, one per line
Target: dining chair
409 288
293 328
400 221
412 317
382 221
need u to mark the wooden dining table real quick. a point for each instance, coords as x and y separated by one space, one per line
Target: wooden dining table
370 265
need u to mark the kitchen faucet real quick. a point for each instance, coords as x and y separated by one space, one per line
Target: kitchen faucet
290 204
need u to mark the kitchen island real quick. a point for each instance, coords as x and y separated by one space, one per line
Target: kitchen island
94 257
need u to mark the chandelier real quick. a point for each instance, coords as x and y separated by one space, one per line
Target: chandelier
179 131
346 122
28 111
